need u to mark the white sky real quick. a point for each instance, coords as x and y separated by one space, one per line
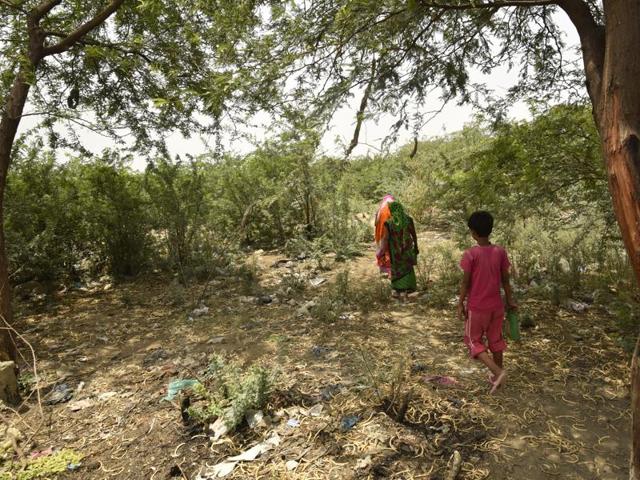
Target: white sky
451 119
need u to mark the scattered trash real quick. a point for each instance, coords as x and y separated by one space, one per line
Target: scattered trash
199 312
302 256
264 300
291 465
154 357
215 340
364 463
106 396
328 392
81 404
576 306
41 453
316 410
80 387
419 367
348 422
279 263
316 282
219 428
305 309
319 350
176 386
442 380
255 418
73 466
293 423
224 468
60 394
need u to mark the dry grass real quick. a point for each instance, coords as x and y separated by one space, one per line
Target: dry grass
563 414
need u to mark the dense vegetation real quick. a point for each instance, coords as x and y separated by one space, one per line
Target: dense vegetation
70 220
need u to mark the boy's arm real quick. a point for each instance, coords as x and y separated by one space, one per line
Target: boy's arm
464 289
506 285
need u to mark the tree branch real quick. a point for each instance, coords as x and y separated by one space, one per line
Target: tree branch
96 43
496 4
592 41
362 109
43 8
14 6
71 39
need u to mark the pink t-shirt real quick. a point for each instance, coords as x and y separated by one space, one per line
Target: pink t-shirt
486 265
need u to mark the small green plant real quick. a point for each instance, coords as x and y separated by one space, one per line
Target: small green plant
292 282
229 392
176 293
26 381
248 274
388 382
41 468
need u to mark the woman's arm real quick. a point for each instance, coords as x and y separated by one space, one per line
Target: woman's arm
412 232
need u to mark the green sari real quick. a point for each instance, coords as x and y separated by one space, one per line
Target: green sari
402 248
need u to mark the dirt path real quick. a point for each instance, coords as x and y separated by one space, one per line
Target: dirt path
564 413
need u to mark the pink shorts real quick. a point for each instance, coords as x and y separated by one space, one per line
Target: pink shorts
484 324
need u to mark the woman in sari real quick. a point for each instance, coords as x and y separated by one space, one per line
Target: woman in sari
400 242
382 215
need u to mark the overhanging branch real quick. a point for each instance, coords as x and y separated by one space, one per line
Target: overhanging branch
71 39
496 4
40 10
110 46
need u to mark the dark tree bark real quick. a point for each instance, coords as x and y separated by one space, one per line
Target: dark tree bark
37 49
618 119
612 69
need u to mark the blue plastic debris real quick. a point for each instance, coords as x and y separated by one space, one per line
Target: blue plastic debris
60 394
176 386
348 422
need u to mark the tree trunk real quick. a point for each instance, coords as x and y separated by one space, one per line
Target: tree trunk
8 128
618 116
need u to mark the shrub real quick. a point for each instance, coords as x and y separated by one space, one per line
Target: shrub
228 392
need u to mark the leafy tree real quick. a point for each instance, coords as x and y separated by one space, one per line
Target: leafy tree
118 66
177 193
47 231
118 215
400 52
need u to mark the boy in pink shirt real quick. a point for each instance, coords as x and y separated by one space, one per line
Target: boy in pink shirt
486 268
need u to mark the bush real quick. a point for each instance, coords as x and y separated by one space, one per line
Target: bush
228 392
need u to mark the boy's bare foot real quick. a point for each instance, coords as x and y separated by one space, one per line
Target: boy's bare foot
492 378
498 381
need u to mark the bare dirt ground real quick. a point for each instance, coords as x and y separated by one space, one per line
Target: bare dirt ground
563 414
